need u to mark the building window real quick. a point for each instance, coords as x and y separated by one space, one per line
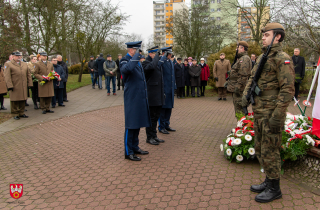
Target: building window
219 1
167 16
170 5
219 10
167 10
170 10
212 18
218 18
212 10
212 1
158 28
170 38
170 16
157 23
167 38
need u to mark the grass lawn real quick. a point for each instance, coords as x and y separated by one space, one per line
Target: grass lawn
73 83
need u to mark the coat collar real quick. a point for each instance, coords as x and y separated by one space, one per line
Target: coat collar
15 63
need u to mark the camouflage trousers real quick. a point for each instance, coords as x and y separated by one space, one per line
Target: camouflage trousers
267 147
237 103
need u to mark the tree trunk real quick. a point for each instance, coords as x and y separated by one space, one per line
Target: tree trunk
27 39
81 71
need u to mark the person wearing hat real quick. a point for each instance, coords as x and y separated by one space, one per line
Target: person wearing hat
167 68
110 67
239 75
205 74
119 80
34 89
179 76
91 64
277 89
46 91
220 69
99 66
3 88
66 76
18 79
136 107
187 77
194 72
156 97
58 84
190 61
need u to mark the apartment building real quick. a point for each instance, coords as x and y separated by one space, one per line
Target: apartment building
244 31
163 10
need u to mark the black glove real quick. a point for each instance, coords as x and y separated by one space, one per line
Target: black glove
45 80
216 78
10 89
274 125
225 85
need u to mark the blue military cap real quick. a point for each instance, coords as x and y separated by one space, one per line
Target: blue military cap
153 49
134 44
167 49
43 54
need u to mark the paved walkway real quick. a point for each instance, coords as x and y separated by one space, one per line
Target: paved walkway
81 100
77 162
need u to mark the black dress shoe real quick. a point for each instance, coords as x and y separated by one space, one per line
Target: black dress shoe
3 108
62 105
152 142
26 104
25 110
66 100
44 112
224 99
132 157
164 131
271 192
16 118
158 140
24 116
141 152
93 87
259 188
170 129
35 106
49 111
219 99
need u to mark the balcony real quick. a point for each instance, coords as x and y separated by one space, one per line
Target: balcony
160 19
158 8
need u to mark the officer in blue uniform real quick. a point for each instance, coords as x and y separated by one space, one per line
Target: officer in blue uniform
167 68
136 107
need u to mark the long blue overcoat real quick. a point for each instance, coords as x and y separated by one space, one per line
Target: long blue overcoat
167 68
136 107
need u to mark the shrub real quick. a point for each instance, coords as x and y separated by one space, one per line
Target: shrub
75 69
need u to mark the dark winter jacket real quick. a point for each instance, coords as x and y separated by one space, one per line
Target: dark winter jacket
65 69
59 84
99 65
154 80
195 71
299 67
179 73
167 68
187 75
91 66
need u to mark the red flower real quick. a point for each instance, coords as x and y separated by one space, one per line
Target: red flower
229 143
309 118
299 136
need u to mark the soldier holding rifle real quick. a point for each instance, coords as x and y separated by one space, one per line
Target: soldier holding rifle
270 90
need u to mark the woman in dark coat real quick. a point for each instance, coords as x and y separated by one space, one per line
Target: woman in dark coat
180 81
187 77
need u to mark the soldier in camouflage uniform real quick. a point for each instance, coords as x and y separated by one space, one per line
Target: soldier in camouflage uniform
277 89
239 75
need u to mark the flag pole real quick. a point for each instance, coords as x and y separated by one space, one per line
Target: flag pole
306 102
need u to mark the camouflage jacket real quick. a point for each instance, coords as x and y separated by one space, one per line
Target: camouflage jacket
276 83
240 73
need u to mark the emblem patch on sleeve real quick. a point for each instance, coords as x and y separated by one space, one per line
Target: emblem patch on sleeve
287 62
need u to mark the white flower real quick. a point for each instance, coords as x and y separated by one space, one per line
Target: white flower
287 121
262 170
240 124
239 158
229 152
239 133
221 147
225 146
310 140
286 127
251 151
237 141
248 137
233 130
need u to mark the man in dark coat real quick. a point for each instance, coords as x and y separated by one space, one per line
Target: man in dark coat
91 64
58 84
299 68
179 76
136 107
66 75
194 72
99 65
155 89
167 68
119 73
187 77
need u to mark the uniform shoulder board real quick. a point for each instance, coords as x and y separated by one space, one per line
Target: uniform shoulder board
287 62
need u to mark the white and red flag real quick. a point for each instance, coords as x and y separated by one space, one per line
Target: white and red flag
316 106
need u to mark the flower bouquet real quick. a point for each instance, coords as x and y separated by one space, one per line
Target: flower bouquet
50 76
297 138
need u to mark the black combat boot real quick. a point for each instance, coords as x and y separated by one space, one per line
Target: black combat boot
259 188
271 192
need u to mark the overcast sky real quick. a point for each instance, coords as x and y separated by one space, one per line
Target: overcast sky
141 20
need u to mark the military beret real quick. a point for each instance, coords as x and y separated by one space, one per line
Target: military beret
43 54
109 56
243 43
17 53
272 26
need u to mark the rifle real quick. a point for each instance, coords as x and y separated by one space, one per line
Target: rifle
235 58
254 88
